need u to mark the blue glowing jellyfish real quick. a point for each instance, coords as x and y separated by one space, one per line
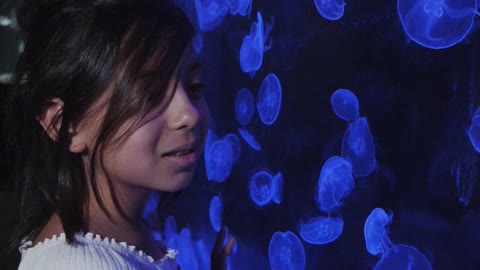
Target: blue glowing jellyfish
210 139
358 147
241 7
285 251
334 183
170 228
403 257
465 170
474 131
235 143
250 139
219 161
345 104
253 46
376 233
244 106
330 9
269 99
260 188
186 252
215 213
437 24
321 230
198 42
277 188
210 13
202 253
151 205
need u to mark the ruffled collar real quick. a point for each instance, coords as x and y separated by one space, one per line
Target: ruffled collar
98 239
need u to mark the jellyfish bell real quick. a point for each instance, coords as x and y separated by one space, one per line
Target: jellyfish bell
321 230
269 99
358 147
376 233
277 188
249 138
219 161
236 146
474 131
244 106
403 257
215 213
170 228
260 188
330 9
254 45
437 24
345 104
210 13
210 139
334 183
285 251
186 256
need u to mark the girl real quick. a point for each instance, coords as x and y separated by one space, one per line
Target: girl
107 108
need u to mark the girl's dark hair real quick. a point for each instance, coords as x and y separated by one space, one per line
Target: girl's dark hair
79 51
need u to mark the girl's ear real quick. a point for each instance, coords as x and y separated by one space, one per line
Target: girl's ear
51 117
51 120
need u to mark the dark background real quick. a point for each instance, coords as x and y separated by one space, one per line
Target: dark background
419 103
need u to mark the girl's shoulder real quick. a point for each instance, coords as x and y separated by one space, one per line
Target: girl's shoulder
89 251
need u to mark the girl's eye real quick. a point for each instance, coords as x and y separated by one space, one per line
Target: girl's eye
196 90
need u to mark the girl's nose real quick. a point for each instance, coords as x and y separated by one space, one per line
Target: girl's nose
182 112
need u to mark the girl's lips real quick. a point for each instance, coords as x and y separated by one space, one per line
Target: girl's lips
183 158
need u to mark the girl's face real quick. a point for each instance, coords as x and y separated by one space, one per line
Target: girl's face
163 152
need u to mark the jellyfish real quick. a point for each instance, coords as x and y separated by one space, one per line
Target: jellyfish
254 45
437 24
250 139
241 7
358 148
285 251
330 9
219 161
244 106
210 13
334 183
151 205
474 131
198 42
260 188
215 213
465 170
269 99
321 230
210 139
277 188
403 257
345 104
375 232
170 228
235 143
186 253
202 253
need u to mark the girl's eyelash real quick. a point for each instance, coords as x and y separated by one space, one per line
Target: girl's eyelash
196 89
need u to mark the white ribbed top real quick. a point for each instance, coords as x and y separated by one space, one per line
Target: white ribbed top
90 252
